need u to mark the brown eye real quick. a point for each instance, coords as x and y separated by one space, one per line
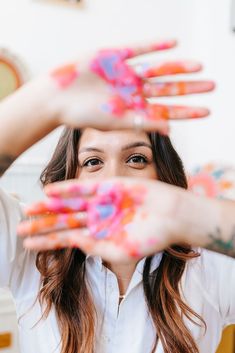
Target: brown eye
93 162
137 159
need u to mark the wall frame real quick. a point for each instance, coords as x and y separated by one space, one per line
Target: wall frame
68 3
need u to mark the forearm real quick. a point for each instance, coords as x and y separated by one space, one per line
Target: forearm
209 223
222 238
25 118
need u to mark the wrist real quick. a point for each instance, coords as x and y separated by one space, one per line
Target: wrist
44 91
199 217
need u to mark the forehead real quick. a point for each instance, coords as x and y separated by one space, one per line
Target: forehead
113 138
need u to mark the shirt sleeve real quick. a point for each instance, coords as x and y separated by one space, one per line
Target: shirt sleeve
11 248
219 275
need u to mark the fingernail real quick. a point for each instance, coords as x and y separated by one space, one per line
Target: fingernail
164 44
195 113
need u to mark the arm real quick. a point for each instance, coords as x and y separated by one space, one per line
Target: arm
164 215
208 223
24 119
76 94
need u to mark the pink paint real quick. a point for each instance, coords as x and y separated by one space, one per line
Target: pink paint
110 65
65 75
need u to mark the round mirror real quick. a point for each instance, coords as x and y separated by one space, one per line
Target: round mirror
12 73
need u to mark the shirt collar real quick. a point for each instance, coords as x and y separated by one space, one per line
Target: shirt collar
156 259
97 260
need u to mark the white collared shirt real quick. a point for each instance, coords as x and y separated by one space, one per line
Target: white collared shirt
128 324
208 286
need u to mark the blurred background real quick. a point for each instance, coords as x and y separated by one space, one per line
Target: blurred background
41 34
46 33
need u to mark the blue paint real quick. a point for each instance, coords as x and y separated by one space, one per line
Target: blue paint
218 173
102 234
108 64
105 211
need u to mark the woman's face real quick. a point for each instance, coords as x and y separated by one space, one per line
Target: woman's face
106 154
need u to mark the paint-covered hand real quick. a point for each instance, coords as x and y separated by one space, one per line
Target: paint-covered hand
117 219
110 90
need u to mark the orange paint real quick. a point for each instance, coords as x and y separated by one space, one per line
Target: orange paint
65 75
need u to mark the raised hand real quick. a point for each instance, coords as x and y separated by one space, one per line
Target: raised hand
117 219
81 99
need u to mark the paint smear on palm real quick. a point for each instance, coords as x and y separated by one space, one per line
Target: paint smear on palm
148 70
113 208
110 65
65 75
51 222
128 89
57 205
110 208
161 111
109 214
168 89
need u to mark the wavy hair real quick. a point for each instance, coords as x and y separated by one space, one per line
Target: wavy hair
63 272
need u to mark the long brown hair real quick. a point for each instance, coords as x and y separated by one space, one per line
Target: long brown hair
63 280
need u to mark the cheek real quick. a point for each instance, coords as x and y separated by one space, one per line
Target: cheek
148 173
82 174
151 172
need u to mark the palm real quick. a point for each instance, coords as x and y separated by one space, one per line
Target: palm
114 219
107 91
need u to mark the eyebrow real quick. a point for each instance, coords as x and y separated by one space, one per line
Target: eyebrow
124 148
90 149
136 144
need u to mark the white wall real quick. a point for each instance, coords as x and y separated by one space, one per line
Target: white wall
45 35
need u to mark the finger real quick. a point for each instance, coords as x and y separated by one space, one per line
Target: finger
58 240
174 112
146 70
116 117
64 190
110 64
138 118
72 190
129 53
52 223
141 121
161 89
57 205
108 251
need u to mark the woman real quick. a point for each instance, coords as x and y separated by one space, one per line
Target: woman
174 295
80 303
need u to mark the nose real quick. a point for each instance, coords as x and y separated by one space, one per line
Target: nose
113 169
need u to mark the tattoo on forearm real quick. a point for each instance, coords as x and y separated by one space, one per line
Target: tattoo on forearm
5 162
219 245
